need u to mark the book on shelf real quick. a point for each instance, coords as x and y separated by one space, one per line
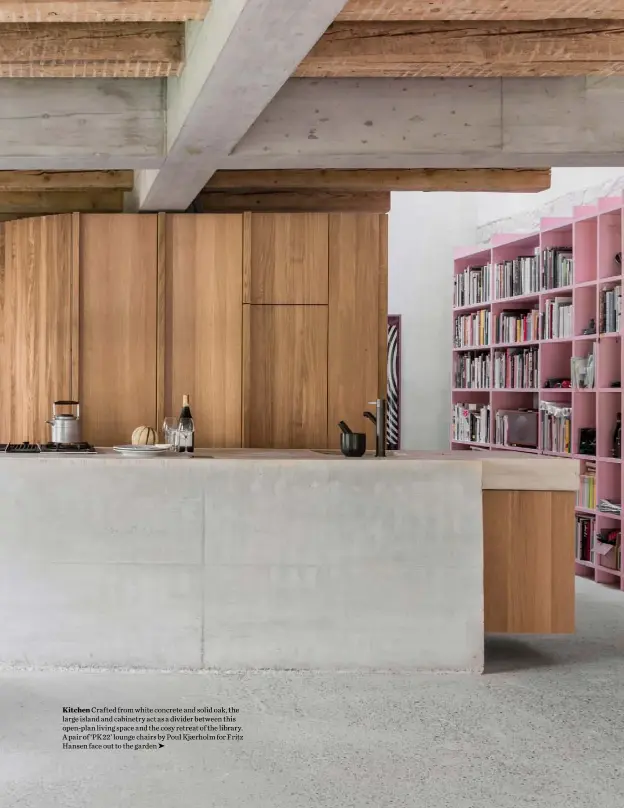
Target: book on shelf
585 529
472 286
557 318
471 423
473 329
473 371
517 325
556 427
516 368
610 310
557 267
521 276
586 495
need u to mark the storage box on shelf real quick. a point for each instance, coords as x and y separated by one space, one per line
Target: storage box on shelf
547 377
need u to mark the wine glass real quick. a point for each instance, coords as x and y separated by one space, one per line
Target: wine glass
186 427
170 431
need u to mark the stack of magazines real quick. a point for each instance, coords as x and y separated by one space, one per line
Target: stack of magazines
610 506
583 370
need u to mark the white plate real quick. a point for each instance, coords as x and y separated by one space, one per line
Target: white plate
141 451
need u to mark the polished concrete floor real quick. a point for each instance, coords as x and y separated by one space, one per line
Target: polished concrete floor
543 727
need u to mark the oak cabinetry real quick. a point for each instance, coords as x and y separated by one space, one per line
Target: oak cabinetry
528 561
118 296
353 348
325 271
203 323
286 258
274 323
35 343
285 376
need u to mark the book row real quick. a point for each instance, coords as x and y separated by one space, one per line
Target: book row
555 322
471 423
549 269
586 497
610 310
472 286
512 369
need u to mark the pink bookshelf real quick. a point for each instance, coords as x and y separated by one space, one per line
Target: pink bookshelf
524 307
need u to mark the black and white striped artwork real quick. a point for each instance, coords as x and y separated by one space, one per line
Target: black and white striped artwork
393 436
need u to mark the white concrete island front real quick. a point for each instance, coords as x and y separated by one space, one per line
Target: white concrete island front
251 559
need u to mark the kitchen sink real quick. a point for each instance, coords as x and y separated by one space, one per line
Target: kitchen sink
370 453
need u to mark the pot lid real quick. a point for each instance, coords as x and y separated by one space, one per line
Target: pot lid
66 416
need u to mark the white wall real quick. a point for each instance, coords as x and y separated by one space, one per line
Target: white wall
491 207
424 230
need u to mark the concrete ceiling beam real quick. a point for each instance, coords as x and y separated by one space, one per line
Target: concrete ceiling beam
238 59
437 123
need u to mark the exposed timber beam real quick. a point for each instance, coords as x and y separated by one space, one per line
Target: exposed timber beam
102 10
87 51
47 202
310 201
239 58
399 10
373 180
80 124
438 123
29 181
457 49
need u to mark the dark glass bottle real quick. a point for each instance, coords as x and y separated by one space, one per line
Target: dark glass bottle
187 443
617 436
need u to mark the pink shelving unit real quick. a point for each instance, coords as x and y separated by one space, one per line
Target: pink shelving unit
594 236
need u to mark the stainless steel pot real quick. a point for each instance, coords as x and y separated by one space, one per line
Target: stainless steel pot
66 427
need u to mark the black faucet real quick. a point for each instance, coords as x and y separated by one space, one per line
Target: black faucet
379 419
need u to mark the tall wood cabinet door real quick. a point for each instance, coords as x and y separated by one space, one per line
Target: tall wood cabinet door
354 310
204 323
35 348
285 376
286 258
118 316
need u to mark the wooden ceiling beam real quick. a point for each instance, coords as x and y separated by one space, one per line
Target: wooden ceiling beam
69 50
405 10
59 11
468 49
48 202
374 180
29 181
307 201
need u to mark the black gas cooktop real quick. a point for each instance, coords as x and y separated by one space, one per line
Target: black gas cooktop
46 448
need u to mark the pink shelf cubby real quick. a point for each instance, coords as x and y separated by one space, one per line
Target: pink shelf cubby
589 245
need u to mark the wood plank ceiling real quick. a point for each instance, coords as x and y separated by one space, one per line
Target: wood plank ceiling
370 38
94 38
471 38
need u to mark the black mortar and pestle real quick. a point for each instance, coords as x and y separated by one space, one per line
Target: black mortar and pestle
352 444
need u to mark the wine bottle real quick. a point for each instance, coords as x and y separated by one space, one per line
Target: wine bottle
187 439
617 436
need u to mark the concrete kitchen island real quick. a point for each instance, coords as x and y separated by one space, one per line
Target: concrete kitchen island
268 559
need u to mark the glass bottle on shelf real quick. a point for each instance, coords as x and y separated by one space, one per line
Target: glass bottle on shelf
617 436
